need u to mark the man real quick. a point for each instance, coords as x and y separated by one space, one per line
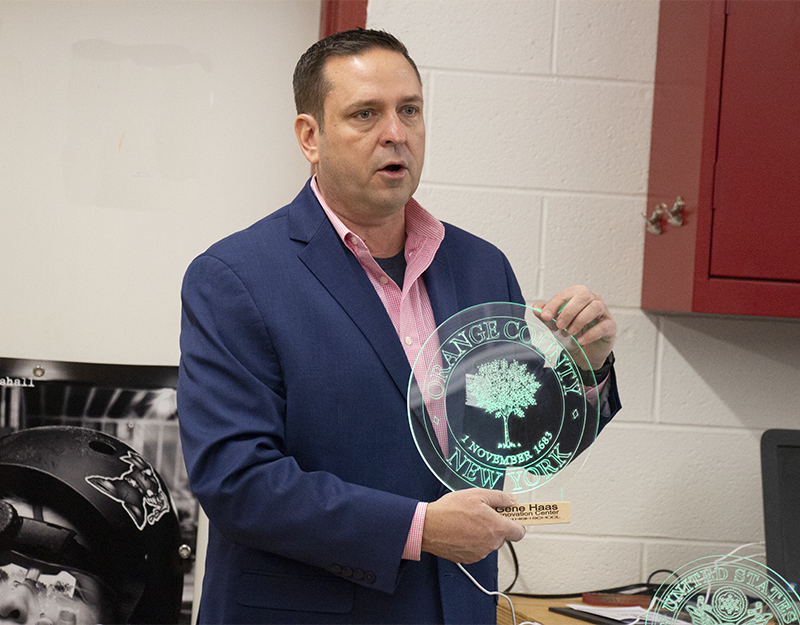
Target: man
297 338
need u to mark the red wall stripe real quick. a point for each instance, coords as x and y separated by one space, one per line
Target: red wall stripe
338 15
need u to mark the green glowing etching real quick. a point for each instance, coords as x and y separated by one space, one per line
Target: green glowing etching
472 472
723 590
500 359
503 389
729 606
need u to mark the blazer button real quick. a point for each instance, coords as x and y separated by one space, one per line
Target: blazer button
336 569
358 574
347 572
369 577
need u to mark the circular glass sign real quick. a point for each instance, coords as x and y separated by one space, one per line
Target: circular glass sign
497 399
723 590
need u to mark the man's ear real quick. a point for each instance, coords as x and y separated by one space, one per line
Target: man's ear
307 131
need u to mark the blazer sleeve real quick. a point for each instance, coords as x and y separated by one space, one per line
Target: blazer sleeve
232 404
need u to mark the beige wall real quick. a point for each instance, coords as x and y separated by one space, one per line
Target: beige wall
133 135
538 116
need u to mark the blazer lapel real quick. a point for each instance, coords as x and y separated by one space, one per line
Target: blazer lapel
340 273
441 287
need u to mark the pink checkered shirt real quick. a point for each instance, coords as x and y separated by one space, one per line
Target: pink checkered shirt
410 309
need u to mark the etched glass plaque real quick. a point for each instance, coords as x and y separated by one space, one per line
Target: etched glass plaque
497 399
723 590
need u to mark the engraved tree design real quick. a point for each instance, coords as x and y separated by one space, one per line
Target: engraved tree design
503 389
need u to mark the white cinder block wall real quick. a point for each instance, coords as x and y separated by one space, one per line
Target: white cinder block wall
538 115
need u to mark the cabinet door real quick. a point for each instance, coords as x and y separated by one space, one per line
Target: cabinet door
726 139
756 218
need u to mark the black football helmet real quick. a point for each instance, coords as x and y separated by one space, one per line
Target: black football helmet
125 532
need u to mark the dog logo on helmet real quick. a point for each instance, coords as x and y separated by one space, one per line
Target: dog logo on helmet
138 490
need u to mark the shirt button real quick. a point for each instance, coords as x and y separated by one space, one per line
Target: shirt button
409 341
384 279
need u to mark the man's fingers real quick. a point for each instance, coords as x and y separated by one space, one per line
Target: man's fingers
464 526
515 532
497 498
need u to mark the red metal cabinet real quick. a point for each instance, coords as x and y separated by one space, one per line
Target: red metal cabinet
726 139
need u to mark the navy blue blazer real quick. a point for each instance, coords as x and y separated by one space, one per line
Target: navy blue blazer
292 403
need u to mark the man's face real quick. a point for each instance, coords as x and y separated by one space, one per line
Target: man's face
372 145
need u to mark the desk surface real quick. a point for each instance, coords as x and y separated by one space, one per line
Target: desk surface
536 610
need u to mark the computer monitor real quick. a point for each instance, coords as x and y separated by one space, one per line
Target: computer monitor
780 473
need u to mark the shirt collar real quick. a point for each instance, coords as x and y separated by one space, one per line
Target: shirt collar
422 228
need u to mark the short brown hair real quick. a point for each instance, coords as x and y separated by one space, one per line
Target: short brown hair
310 83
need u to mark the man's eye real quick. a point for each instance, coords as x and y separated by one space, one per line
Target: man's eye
363 114
410 110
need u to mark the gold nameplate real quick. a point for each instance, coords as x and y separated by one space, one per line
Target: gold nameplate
543 513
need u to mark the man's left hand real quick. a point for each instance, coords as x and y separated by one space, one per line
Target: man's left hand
584 315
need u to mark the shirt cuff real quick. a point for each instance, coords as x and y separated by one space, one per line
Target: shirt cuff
593 392
413 549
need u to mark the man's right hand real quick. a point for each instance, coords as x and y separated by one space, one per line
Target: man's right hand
463 526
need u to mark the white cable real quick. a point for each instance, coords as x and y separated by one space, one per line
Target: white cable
737 559
740 558
496 593
756 544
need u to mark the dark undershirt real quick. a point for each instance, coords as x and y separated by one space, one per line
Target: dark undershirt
395 267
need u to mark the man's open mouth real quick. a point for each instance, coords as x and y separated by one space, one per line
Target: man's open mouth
393 167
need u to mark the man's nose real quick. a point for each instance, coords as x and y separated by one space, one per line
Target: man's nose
15 604
393 131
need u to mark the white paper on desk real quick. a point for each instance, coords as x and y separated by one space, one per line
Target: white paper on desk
627 614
